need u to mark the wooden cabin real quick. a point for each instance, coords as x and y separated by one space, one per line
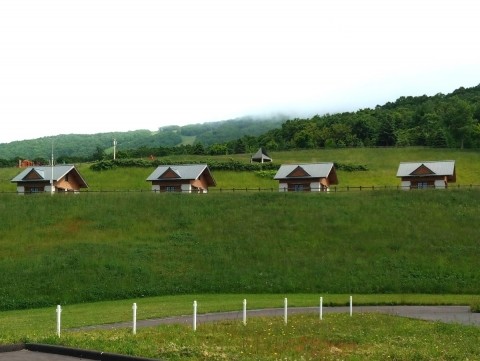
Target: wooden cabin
313 177
188 178
24 163
423 175
56 179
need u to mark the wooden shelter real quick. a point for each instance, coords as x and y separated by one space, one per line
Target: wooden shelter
423 175
261 156
56 179
190 178
313 177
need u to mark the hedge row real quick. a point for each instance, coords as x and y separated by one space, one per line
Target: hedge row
232 165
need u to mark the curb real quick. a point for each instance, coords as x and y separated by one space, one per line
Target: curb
73 352
11 348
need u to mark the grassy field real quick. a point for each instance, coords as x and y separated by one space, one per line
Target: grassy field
386 247
382 164
305 337
338 337
29 325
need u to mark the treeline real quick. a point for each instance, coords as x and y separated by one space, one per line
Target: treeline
84 147
437 121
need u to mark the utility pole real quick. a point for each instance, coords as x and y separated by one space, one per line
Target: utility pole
51 175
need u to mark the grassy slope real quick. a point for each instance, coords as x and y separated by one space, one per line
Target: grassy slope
141 244
120 245
73 249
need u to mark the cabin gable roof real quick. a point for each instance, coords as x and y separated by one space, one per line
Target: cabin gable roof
34 174
427 169
307 171
47 174
170 174
185 172
298 172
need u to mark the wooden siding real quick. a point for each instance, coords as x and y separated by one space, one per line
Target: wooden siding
299 172
430 181
169 174
70 182
422 170
292 184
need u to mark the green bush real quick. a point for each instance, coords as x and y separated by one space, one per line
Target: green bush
232 165
475 305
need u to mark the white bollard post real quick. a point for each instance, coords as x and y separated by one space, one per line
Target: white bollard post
285 312
244 312
134 308
351 306
59 317
194 315
321 308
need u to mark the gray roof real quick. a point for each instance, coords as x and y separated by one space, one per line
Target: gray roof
184 171
45 173
315 170
440 168
261 155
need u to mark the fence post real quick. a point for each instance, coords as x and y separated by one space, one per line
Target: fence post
285 311
351 306
59 317
244 312
194 315
321 308
134 308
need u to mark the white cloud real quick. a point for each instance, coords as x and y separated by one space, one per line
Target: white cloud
93 66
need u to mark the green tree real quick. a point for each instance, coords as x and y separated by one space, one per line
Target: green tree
458 117
99 154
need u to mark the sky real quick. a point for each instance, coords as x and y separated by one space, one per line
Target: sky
93 66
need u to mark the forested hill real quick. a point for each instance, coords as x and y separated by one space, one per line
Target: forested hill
450 120
72 147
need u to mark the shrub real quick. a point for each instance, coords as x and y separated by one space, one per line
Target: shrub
475 305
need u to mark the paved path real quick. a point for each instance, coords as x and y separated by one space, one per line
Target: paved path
450 314
25 355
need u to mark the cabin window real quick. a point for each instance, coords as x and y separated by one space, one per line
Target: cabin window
422 185
170 189
298 187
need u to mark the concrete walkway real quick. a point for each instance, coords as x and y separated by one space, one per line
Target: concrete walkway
449 314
